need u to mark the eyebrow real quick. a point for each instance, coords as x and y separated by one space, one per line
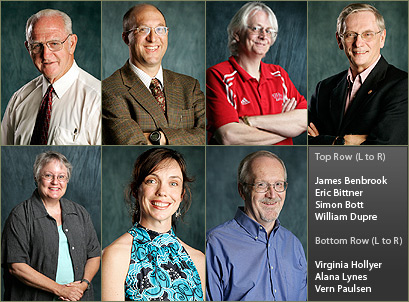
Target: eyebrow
173 177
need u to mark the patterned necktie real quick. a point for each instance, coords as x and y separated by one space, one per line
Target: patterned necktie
40 132
158 93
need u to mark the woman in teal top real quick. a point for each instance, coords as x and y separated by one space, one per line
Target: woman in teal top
149 262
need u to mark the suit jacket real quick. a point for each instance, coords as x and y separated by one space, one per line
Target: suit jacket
379 109
129 109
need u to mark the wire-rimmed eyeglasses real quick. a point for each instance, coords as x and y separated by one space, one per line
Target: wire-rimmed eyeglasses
53 45
145 30
263 187
367 36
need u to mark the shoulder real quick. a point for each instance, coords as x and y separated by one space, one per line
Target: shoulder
119 249
26 90
89 81
289 237
115 81
172 76
69 205
221 69
220 232
196 255
396 74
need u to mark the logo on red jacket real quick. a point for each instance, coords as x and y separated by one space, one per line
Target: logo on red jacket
278 97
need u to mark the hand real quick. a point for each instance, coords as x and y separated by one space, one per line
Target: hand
72 291
312 130
289 105
355 139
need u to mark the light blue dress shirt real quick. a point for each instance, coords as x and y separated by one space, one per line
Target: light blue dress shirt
245 264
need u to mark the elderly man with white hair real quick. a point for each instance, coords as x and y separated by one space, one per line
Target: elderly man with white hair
250 102
63 105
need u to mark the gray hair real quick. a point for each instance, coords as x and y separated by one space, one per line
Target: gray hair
44 158
355 8
245 164
239 22
129 20
48 13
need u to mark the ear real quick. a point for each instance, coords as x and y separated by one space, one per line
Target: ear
383 37
241 191
339 41
26 45
125 38
72 40
236 37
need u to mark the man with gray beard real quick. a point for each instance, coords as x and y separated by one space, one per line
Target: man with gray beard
252 257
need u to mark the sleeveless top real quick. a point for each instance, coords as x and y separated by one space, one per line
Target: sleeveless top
160 269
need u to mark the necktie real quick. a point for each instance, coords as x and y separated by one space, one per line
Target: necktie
40 132
158 93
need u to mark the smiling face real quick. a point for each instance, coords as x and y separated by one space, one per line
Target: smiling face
362 54
146 51
263 207
52 190
255 44
160 195
53 65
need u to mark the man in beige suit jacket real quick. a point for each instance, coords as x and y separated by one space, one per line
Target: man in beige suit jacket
131 114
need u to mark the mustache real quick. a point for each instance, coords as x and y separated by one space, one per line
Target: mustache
270 200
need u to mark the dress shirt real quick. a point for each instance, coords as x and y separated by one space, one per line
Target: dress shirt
145 78
30 236
245 264
75 116
355 84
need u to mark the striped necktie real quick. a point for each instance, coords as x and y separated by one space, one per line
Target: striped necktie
40 132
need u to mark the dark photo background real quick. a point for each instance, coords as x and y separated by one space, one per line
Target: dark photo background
117 167
325 59
84 187
289 50
222 196
186 38
17 68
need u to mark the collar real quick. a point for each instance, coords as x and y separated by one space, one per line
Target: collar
64 83
364 74
253 227
264 73
144 77
39 210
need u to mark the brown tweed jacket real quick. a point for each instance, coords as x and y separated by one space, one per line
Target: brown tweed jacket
129 109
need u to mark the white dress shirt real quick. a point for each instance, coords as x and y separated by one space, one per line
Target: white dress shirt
75 115
145 78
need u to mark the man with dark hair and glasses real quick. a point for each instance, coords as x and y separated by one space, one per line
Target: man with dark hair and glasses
366 104
143 104
252 257
63 105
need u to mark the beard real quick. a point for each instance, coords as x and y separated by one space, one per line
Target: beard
272 215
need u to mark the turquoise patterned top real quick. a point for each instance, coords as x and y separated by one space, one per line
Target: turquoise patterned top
160 269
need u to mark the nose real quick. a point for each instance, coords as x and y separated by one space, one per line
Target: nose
54 179
271 192
152 35
161 189
359 40
46 52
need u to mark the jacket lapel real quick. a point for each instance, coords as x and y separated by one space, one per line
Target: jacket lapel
337 102
143 96
366 92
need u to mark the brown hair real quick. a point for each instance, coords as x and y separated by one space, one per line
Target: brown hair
145 165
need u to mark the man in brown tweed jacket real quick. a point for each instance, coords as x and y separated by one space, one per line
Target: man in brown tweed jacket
143 103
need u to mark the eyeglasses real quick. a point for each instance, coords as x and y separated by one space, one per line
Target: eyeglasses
261 30
144 30
52 45
50 177
263 187
367 36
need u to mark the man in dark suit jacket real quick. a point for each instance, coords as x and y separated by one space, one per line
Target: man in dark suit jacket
366 104
143 103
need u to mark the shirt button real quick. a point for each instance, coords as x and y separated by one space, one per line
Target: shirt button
256 238
72 248
275 290
261 228
66 230
271 267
